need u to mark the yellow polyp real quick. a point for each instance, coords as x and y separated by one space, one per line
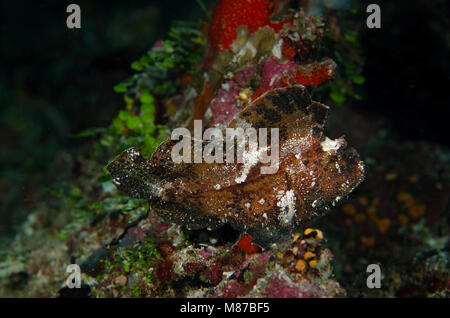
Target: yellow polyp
362 200
383 225
372 212
296 236
360 218
309 255
375 202
280 255
405 198
319 234
295 250
402 196
300 265
414 178
245 94
348 209
409 204
312 263
390 176
438 185
402 219
368 241
416 211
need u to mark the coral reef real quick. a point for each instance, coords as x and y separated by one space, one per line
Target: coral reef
299 267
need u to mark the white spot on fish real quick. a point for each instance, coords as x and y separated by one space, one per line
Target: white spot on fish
287 205
328 144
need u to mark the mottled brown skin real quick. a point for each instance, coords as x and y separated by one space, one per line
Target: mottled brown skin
188 193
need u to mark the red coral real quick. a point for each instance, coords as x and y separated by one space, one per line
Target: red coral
230 14
246 245
278 74
316 73
258 93
289 49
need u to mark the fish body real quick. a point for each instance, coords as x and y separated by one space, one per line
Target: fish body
314 172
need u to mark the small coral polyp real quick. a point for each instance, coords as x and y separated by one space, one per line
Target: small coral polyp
256 73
